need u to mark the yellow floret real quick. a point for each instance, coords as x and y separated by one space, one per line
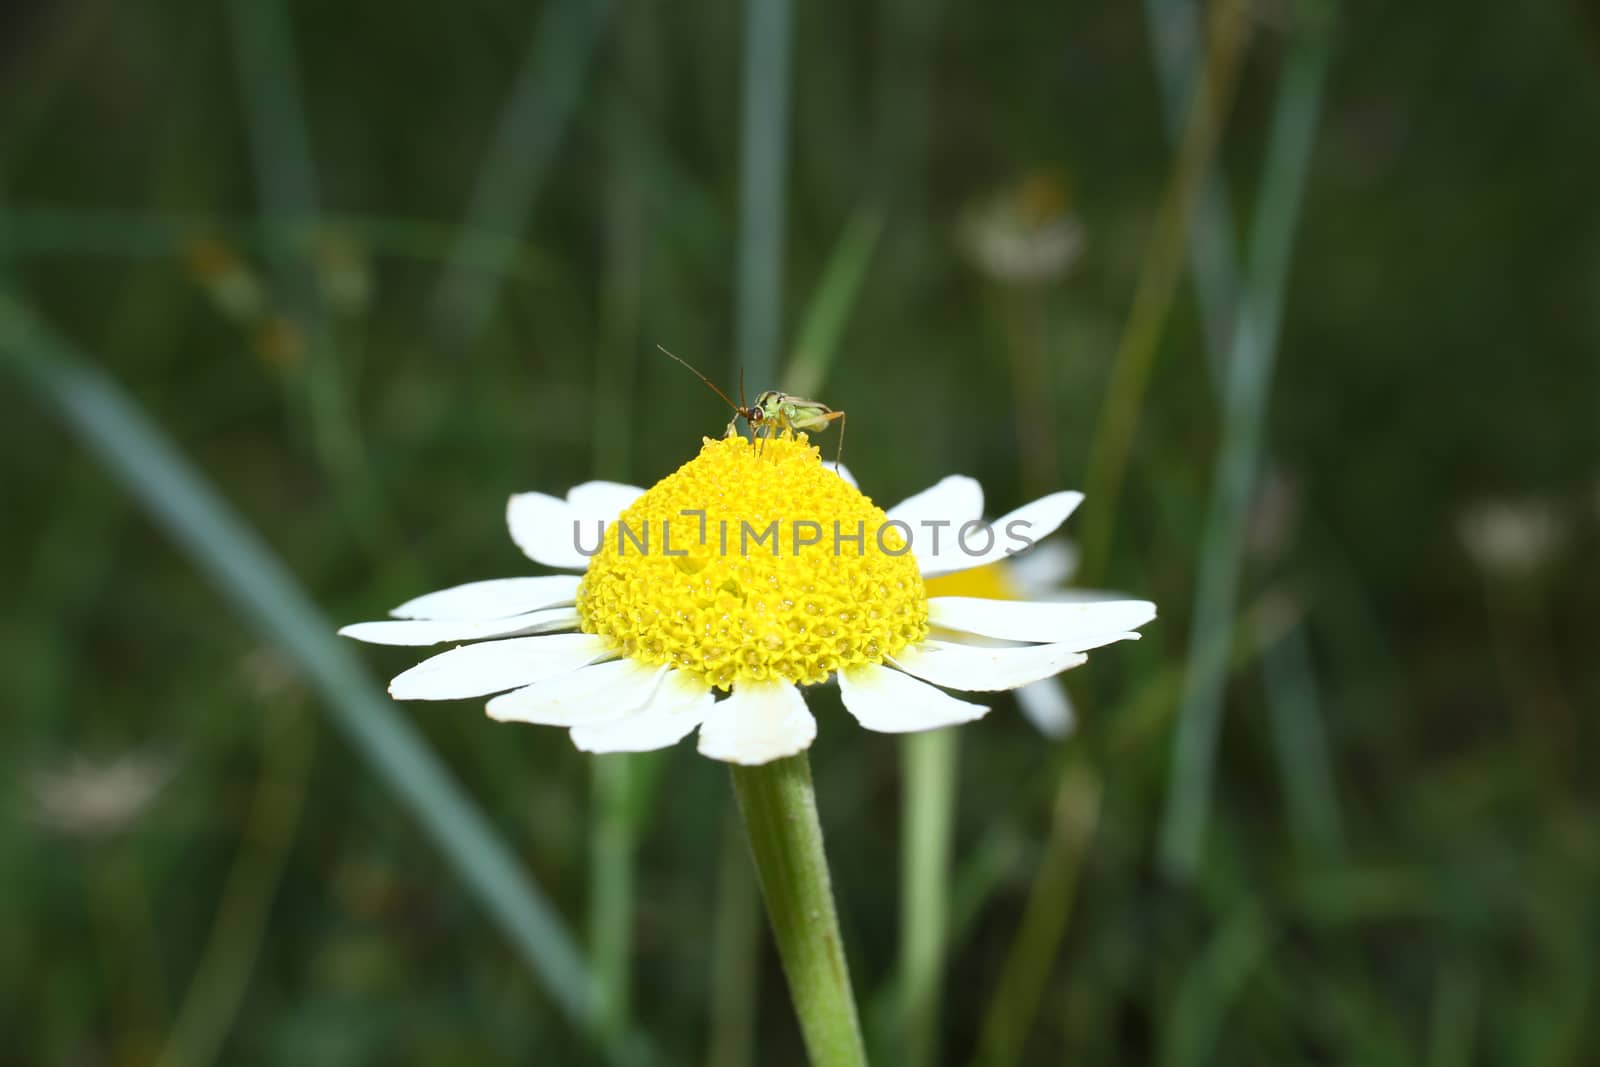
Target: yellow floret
751 600
989 582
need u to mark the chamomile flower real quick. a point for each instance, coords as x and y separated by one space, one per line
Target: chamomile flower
92 798
751 571
1511 538
1025 234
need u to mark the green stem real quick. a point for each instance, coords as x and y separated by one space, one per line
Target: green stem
928 808
779 809
611 890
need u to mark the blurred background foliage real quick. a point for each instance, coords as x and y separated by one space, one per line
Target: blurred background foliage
373 267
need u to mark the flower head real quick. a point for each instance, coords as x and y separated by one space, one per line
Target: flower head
752 570
797 611
1511 538
1026 233
98 798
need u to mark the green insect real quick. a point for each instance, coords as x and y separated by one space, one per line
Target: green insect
773 412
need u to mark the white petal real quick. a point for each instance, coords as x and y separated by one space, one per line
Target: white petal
591 694
893 703
1044 568
1083 644
548 530
935 514
434 631
1048 707
974 669
958 637
1011 533
497 598
495 666
758 723
678 705
957 498
601 501
1082 625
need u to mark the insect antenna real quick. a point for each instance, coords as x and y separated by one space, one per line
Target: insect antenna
744 405
709 383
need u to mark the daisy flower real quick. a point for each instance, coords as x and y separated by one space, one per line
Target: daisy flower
1511 538
1025 234
710 599
98 798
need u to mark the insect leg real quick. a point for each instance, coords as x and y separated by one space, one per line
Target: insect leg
820 421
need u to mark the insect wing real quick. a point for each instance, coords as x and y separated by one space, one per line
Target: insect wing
808 414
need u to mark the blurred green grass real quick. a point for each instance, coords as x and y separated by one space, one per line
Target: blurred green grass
1439 345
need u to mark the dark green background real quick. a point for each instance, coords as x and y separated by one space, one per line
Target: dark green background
1440 345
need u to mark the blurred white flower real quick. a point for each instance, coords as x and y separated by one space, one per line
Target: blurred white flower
97 798
1025 233
1510 538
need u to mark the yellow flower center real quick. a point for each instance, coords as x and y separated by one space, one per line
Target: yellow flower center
754 562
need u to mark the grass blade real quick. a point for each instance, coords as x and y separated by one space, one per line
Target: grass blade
279 141
823 322
261 589
1302 746
1213 259
1290 687
286 179
535 117
1255 337
763 188
1213 982
1158 278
